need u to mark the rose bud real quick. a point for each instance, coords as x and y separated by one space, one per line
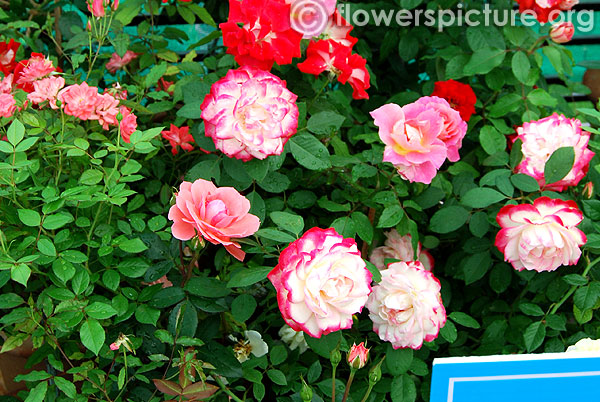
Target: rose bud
563 32
358 356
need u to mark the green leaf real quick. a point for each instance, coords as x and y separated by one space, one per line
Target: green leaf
147 315
16 132
275 235
26 144
521 66
481 197
243 307
531 309
20 273
100 311
207 287
492 141
10 300
29 217
448 219
398 361
391 216
133 246
92 335
325 122
516 155
277 377
287 221
403 389
46 247
483 61
363 225
534 336
156 72
476 266
310 152
449 332
278 354
91 177
374 271
525 183
540 97
38 393
575 279
587 296
464 319
57 221
167 297
248 276
325 344
508 103
559 164
66 386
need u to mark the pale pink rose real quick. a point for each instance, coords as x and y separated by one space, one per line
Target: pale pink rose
7 105
117 62
541 138
128 123
6 84
79 100
310 17
411 137
400 248
107 109
37 67
46 89
563 32
218 214
406 306
455 127
542 236
321 281
250 114
358 356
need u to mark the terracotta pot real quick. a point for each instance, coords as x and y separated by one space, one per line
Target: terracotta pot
591 79
11 365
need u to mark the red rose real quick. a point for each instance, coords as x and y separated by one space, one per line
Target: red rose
265 36
8 52
460 96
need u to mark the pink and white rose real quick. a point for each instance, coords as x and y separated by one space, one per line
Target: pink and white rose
540 237
406 306
411 137
563 32
250 114
542 137
455 127
217 214
321 281
400 248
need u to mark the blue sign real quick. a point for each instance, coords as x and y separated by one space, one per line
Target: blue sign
549 377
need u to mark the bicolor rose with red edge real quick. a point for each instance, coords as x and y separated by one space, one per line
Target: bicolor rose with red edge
217 214
400 248
8 53
455 127
411 137
250 114
321 281
542 137
406 306
563 32
265 36
542 236
460 96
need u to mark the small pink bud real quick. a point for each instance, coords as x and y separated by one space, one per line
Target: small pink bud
588 190
114 346
358 356
563 32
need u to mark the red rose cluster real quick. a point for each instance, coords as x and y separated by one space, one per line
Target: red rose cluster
460 96
260 33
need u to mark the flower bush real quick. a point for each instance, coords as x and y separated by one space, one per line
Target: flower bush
229 222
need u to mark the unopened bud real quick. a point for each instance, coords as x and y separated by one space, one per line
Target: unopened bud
375 373
588 190
358 356
306 392
335 357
